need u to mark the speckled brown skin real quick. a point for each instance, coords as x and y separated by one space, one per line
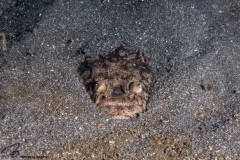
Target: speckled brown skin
118 82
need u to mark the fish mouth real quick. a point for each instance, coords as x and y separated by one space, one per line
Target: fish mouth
123 104
119 109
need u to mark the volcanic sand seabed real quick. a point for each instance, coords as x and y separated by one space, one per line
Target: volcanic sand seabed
193 111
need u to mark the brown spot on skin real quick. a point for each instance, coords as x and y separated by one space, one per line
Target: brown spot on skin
118 82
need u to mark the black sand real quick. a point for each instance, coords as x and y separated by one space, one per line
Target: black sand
194 50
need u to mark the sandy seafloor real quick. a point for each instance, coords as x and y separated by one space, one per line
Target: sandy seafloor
194 50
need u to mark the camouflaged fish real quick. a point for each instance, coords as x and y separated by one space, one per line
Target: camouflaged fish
118 82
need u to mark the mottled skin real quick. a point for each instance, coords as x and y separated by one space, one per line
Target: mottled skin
118 82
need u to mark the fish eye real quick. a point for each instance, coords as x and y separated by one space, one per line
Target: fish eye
100 87
136 87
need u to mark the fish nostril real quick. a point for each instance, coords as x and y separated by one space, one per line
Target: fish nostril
122 89
118 90
103 97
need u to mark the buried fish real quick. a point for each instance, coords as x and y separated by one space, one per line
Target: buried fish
118 82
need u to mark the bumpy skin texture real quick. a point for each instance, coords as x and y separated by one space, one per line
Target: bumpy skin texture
118 82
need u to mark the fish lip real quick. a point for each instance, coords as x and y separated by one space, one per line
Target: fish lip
120 109
130 116
122 104
117 102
